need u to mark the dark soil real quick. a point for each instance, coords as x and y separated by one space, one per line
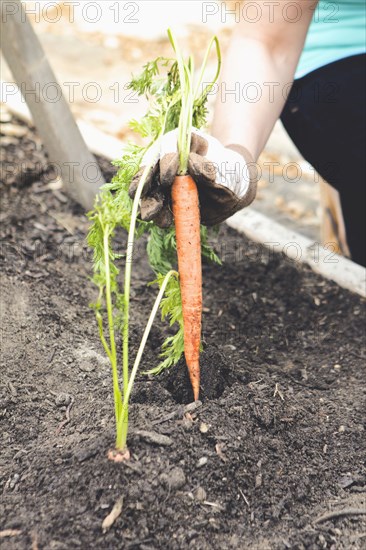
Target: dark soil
278 440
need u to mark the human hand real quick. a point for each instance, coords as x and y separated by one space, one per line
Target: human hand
225 178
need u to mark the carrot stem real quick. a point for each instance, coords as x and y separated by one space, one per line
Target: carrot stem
123 418
113 352
209 86
186 113
122 426
102 337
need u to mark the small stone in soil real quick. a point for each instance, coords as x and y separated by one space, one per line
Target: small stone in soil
153 437
175 479
200 494
203 428
86 366
202 462
63 399
13 481
86 454
258 481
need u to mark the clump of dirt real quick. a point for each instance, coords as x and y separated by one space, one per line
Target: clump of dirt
277 443
214 377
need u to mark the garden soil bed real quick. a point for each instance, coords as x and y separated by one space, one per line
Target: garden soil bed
277 441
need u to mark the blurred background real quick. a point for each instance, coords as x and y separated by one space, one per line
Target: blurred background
94 47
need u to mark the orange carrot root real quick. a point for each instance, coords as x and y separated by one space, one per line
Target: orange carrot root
187 225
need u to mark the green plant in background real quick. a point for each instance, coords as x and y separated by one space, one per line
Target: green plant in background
173 103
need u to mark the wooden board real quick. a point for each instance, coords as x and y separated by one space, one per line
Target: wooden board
51 114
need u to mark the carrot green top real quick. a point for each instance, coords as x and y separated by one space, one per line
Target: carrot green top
336 31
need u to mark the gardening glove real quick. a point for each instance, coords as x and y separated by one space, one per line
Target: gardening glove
225 178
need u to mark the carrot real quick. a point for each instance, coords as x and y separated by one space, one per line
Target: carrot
187 225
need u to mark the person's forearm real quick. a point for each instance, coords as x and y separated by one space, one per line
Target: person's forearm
245 113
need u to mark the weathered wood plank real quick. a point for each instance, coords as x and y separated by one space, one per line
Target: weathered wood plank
51 114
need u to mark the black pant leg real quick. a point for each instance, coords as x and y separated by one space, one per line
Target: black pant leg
325 117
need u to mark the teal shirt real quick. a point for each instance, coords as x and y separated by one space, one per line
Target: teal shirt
337 31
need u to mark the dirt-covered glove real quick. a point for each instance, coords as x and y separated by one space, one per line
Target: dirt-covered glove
225 178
